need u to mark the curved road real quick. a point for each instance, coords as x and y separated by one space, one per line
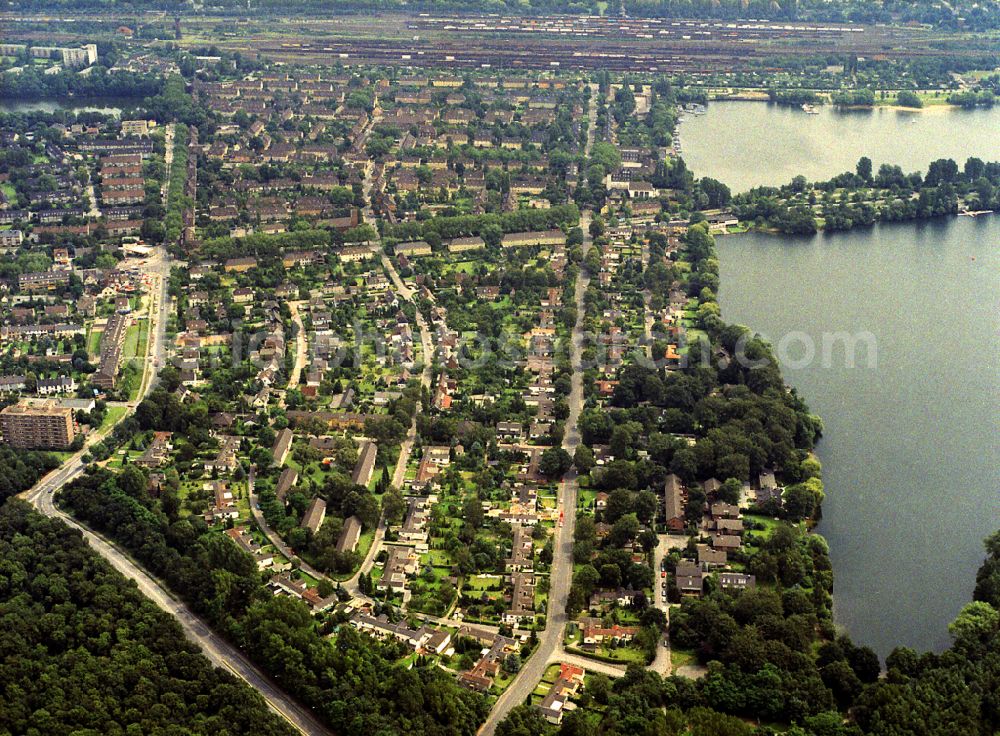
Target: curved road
406 447
399 473
219 651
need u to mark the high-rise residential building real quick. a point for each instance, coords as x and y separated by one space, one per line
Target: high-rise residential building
37 425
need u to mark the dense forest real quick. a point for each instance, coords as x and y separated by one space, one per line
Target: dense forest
34 83
21 469
958 13
756 676
83 651
352 683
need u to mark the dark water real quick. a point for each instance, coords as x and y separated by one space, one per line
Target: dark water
109 106
910 454
748 144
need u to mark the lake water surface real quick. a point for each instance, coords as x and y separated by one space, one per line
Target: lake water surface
110 106
748 144
910 453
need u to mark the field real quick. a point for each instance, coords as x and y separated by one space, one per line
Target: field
111 415
135 339
94 342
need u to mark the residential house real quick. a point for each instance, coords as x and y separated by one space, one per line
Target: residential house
673 504
350 533
315 513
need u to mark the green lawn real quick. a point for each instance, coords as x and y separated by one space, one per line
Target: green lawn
111 416
624 654
768 522
468 267
364 544
94 342
682 657
131 342
143 336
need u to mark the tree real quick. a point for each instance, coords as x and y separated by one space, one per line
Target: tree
512 663
599 688
798 503
596 227
524 720
623 531
554 463
648 540
53 571
647 504
393 505
864 169
729 491
988 577
583 459
973 628
718 193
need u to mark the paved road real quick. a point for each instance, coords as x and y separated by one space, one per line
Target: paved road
550 641
406 446
275 539
595 90
301 345
220 652
368 215
95 212
351 584
664 544
647 296
158 268
168 160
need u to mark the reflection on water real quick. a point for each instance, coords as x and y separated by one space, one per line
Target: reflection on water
105 107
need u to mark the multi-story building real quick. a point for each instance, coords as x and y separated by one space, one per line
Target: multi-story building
135 127
42 281
33 425
74 58
112 340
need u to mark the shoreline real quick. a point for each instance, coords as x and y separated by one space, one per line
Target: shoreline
765 230
934 107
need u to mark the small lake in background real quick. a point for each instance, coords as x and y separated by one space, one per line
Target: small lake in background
749 144
105 106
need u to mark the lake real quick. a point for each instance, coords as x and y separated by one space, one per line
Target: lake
748 144
910 452
110 106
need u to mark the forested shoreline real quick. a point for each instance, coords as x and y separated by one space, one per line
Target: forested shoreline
863 197
919 695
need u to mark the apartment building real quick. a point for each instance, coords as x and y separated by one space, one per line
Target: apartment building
33 425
